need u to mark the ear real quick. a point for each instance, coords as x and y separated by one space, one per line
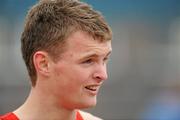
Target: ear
41 62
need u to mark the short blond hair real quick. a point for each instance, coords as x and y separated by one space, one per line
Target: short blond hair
50 22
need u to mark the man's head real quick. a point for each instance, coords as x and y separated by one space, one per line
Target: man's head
50 23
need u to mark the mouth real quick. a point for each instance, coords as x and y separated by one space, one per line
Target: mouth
92 89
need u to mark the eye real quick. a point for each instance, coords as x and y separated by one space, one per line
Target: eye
88 61
105 59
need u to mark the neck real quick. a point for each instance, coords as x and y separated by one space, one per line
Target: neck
41 107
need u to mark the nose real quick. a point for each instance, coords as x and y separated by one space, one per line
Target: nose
101 73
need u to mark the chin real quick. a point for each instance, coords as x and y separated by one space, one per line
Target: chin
89 103
81 103
86 106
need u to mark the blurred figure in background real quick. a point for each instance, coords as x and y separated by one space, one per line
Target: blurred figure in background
165 105
65 45
165 102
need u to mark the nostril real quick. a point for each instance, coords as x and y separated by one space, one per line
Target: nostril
97 77
100 73
100 76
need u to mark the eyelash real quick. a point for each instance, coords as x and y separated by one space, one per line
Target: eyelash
88 61
106 59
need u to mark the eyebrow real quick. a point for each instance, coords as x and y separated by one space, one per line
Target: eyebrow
108 53
94 55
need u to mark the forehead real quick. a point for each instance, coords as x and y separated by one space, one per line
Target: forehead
83 42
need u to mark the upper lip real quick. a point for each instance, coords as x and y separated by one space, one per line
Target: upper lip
93 85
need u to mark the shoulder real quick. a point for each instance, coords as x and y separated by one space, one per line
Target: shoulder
9 116
88 116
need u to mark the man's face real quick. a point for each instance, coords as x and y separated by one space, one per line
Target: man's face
80 72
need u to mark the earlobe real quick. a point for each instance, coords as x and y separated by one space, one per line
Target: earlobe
41 62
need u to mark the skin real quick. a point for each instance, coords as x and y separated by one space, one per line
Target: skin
82 65
70 83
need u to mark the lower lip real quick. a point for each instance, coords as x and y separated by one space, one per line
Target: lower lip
91 92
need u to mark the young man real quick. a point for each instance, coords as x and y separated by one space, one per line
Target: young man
65 45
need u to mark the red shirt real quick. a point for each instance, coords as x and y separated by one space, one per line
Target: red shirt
12 116
9 116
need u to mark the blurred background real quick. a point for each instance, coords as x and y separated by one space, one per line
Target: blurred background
144 69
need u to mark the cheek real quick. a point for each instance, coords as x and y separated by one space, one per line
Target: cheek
70 76
76 77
